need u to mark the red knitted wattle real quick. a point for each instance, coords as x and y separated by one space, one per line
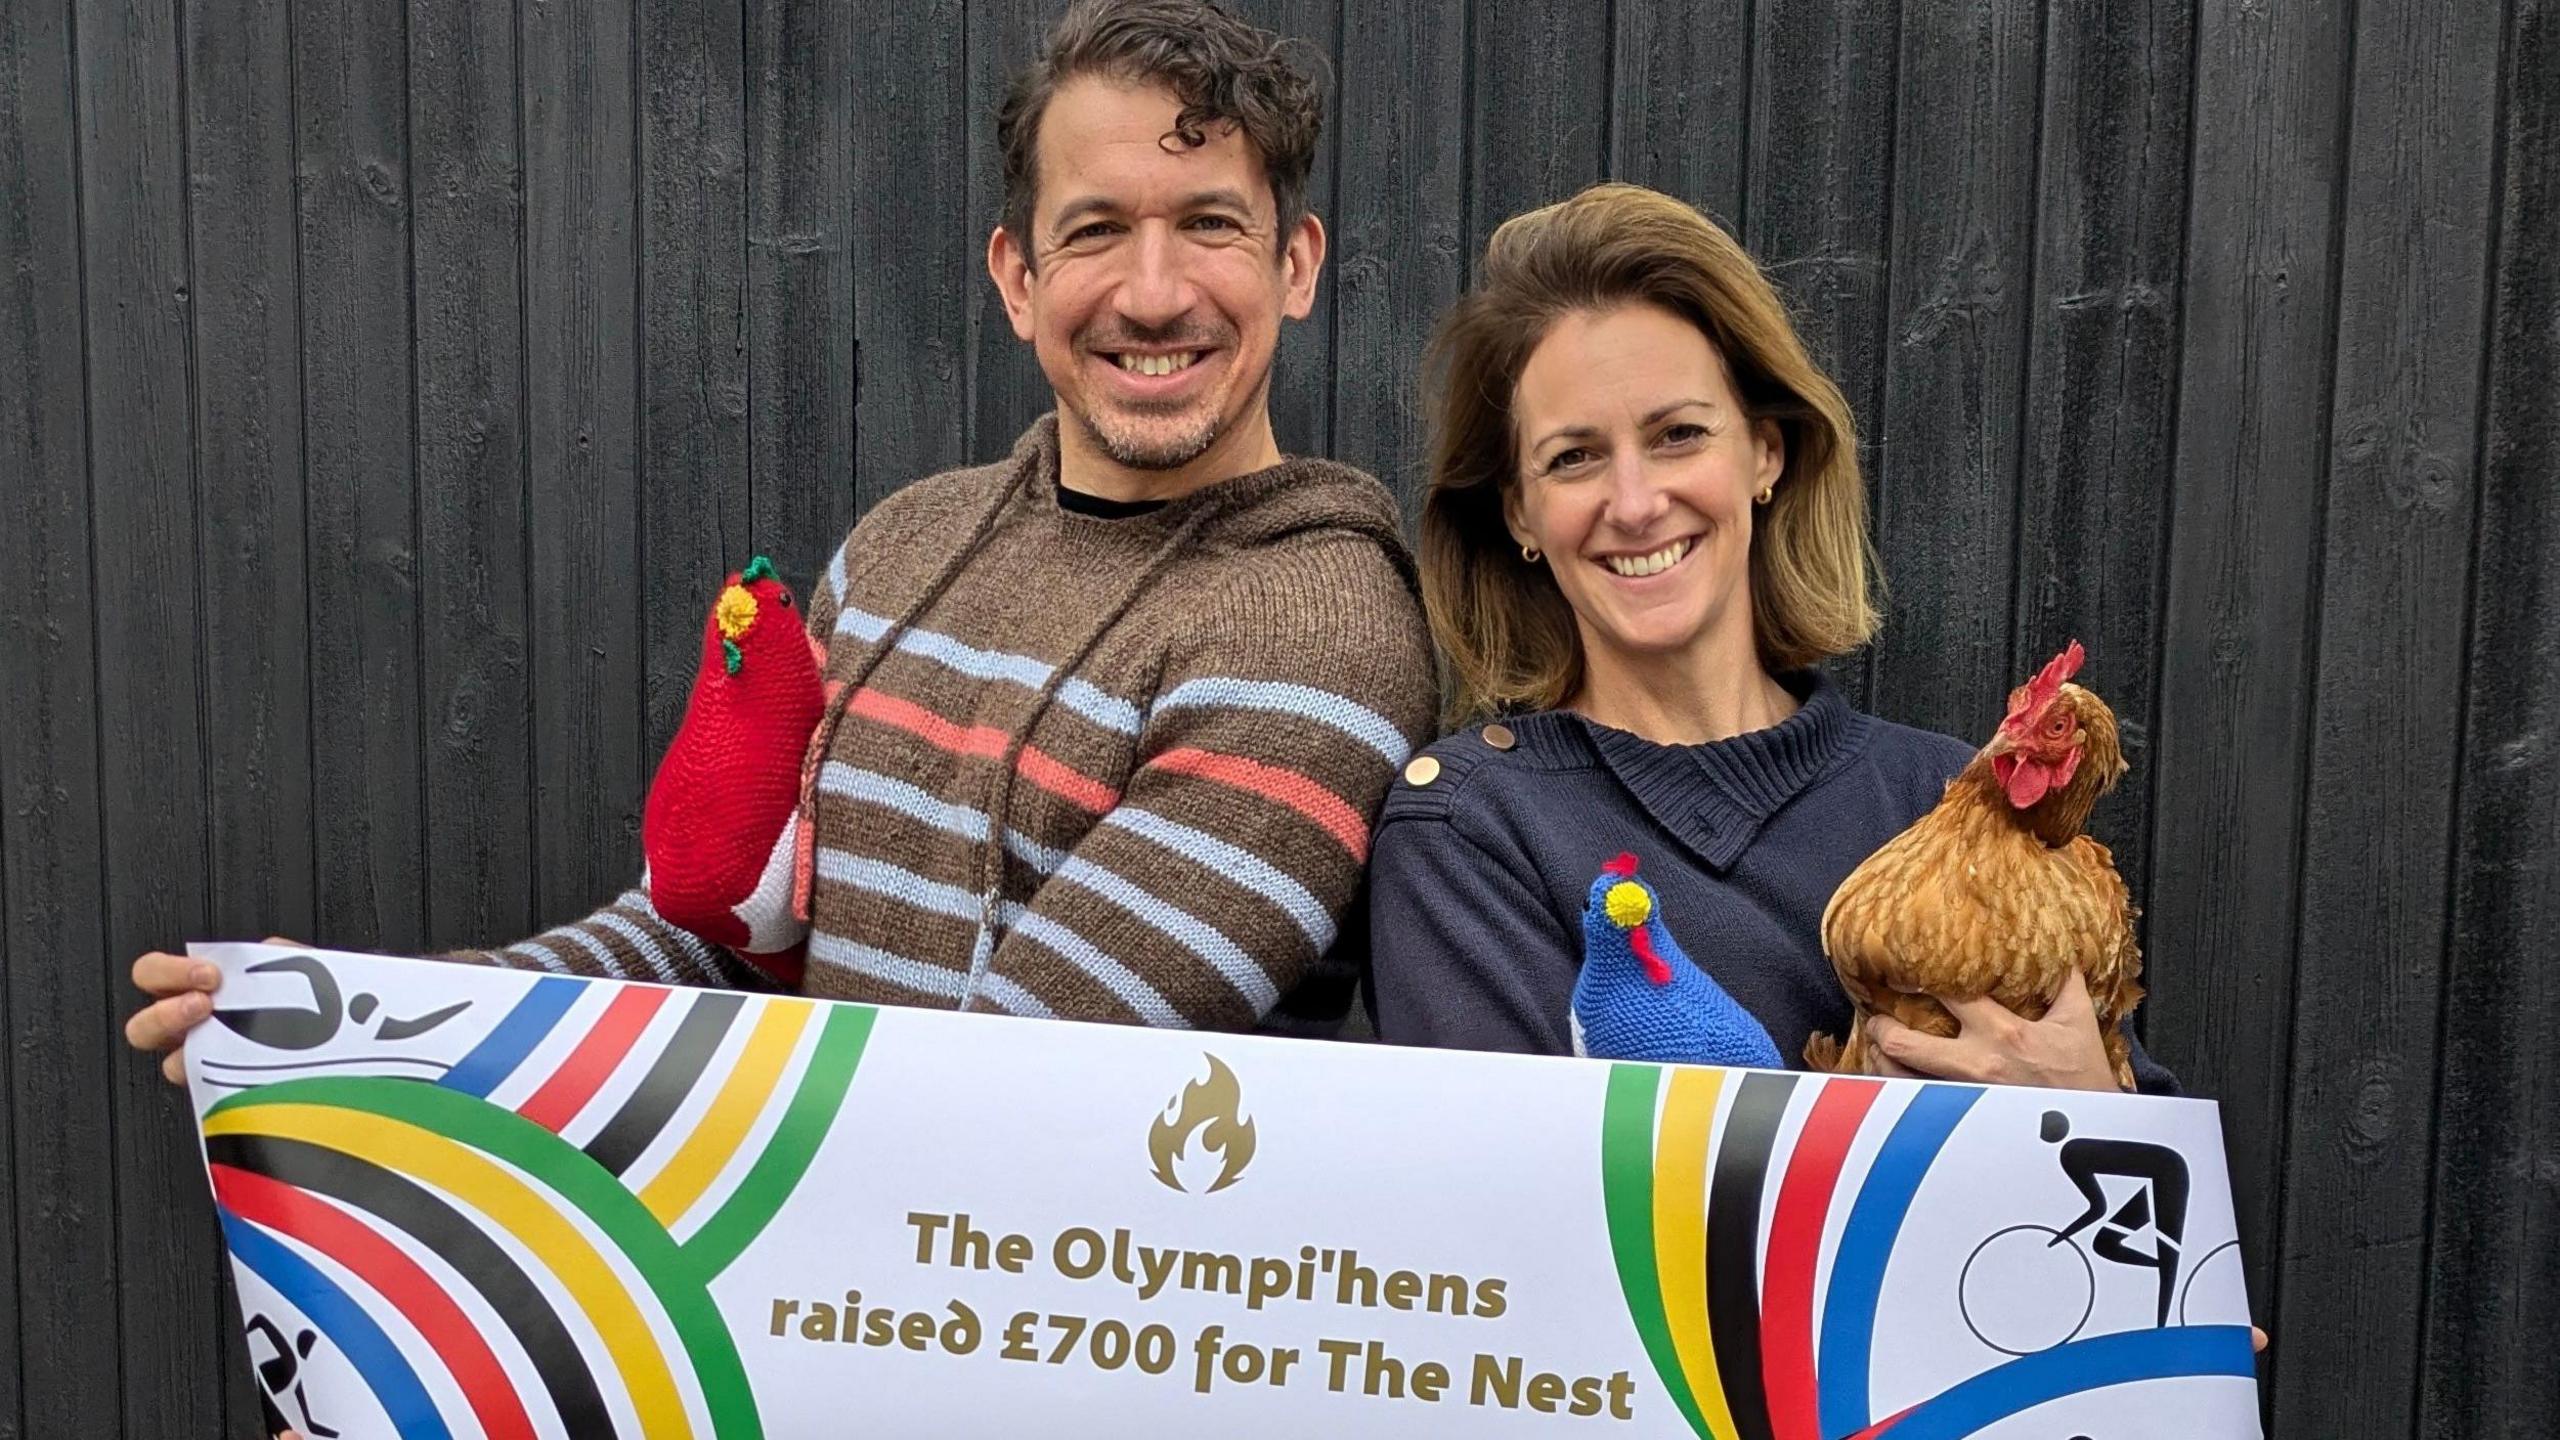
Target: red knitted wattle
730 782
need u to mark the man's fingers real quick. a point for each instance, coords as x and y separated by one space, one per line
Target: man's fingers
163 1024
1976 1010
2257 1340
2072 1001
163 974
173 1067
1927 1054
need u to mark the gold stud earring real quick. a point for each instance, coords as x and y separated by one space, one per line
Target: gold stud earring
1766 491
1532 554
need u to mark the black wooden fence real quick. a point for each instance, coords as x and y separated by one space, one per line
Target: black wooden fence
380 380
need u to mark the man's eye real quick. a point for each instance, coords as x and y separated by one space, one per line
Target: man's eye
1083 233
1215 222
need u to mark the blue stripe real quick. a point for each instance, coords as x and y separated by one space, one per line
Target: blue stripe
1866 1243
1237 864
1123 982
1322 706
1193 934
902 885
879 964
1108 711
504 1048
2177 1353
835 573
872 788
386 1372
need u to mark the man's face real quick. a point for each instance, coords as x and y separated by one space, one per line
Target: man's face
1152 284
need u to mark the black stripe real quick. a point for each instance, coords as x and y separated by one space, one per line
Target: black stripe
642 1116
1733 1246
455 1240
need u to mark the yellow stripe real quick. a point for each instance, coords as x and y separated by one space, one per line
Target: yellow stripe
1680 1233
723 1127
534 1222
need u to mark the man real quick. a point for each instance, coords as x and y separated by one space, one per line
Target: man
1117 709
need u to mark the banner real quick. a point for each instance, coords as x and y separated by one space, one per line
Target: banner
481 1203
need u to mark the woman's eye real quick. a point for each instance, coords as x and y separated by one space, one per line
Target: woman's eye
1683 434
1568 459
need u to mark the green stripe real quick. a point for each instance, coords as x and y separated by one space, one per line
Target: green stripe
743 1216
1626 1185
555 1162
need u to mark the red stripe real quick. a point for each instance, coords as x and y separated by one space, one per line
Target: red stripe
583 1073
1795 1241
397 1278
1328 810
986 742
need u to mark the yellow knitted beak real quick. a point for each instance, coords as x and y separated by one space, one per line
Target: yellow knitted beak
1627 904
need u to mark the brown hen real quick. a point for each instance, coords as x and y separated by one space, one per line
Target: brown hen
1996 891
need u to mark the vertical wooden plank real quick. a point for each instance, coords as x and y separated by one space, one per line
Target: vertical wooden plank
1301 371
470 388
581 426
1006 389
1964 208
804 99
2226 775
157 1297
916 291
1399 242
61 1165
2493 1292
1680 102
2403 477
2102 376
693 361
1818 212
1537 111
351 99
239 65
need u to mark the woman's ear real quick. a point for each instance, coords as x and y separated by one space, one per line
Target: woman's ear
1771 442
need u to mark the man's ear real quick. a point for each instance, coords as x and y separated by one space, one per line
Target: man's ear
1009 265
1303 260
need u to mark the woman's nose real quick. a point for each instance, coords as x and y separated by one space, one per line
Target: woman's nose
1635 500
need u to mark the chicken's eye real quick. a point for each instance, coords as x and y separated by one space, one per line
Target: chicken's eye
2056 726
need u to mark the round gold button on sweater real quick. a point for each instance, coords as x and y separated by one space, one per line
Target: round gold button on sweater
1500 737
1422 771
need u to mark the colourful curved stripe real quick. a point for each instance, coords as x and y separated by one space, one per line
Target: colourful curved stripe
446 1233
1626 1189
1734 1202
2177 1353
396 1278
606 1044
1680 1234
1795 1245
715 1138
385 1371
575 1178
671 1077
504 1047
517 1209
1866 1243
793 1144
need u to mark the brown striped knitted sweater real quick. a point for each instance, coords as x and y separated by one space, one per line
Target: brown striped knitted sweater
1096 769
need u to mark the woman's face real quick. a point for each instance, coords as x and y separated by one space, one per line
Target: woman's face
1638 471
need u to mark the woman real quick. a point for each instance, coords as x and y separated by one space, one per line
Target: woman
1645 528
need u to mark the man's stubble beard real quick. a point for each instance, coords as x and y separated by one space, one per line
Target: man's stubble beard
1151 453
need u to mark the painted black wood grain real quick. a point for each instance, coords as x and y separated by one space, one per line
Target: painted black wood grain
2232 731
351 101
1302 371
2386 746
582 385
2093 492
1400 221
2493 1275
803 321
694 482
1964 207
1537 85
1680 102
1818 207
248 432
60 1174
158 1298
918 259
463 113
1006 389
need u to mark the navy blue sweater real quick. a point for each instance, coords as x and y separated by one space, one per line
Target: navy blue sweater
1480 873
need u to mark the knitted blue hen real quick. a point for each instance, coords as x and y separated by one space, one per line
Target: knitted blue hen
1640 998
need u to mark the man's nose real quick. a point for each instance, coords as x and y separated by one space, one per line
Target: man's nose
1157 289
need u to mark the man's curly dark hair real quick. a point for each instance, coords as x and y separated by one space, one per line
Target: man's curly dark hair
1224 70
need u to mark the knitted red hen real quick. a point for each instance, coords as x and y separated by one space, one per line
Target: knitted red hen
719 830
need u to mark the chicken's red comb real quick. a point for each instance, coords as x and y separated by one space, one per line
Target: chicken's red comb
1623 866
2038 692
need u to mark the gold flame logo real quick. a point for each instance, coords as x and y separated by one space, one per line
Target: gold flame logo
1210 1109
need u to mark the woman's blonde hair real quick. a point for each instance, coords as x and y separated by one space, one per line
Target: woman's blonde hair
1506 629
